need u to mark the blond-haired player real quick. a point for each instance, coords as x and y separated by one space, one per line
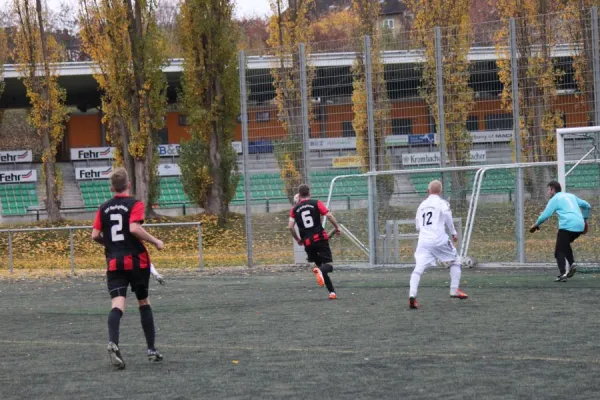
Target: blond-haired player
432 219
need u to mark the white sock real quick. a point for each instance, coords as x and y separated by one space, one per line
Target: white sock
415 278
455 271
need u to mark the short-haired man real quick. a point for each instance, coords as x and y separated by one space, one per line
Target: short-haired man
118 226
432 219
571 223
307 213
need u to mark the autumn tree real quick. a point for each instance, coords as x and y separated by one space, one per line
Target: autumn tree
367 14
36 53
210 98
167 15
253 33
456 39
287 29
122 37
537 84
334 25
3 59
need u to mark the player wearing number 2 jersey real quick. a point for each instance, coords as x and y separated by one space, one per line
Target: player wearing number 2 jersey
432 219
307 215
572 222
118 226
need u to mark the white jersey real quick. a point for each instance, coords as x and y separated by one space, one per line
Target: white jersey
432 219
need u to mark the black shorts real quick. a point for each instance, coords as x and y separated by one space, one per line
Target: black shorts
138 279
319 252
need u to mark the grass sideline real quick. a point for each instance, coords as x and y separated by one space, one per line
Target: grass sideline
492 241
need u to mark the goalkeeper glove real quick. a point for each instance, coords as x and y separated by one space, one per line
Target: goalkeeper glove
534 228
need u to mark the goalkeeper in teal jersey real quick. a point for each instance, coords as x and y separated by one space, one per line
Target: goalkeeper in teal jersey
572 222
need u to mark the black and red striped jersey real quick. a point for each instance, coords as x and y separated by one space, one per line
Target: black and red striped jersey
307 214
123 250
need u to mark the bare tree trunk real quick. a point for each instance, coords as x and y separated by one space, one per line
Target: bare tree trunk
142 176
52 195
52 201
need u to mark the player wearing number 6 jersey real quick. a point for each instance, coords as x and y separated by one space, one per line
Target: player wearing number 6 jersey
307 215
433 217
118 226
572 222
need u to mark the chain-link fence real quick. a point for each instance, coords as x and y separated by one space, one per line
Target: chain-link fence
449 97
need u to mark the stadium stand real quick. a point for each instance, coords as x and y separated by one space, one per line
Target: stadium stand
17 198
96 192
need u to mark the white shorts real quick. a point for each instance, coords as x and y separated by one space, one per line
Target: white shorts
427 255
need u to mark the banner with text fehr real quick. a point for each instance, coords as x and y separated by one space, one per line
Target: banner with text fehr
435 157
28 175
93 173
92 153
15 156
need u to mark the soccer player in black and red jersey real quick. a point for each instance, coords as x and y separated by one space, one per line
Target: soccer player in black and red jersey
307 215
118 226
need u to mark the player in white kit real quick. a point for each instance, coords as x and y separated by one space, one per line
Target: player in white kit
433 217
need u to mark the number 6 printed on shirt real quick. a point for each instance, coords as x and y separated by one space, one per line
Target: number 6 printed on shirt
307 219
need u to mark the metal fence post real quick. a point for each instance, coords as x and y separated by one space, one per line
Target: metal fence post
10 252
200 256
372 192
519 197
72 250
304 103
246 162
439 87
596 67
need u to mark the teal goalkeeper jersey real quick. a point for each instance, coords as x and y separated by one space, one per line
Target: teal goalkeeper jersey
569 209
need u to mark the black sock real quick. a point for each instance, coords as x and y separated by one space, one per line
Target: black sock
148 324
325 270
114 320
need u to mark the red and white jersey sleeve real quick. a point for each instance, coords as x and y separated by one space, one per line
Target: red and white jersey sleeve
432 219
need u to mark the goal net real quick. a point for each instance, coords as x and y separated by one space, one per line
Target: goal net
377 210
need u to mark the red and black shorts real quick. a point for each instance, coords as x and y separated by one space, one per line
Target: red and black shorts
129 271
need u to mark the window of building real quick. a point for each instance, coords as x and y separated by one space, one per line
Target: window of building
498 122
348 129
472 123
163 136
263 116
182 120
401 126
388 23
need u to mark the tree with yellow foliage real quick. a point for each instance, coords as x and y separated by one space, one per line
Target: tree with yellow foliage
3 58
456 39
210 97
122 37
288 27
367 17
36 54
537 85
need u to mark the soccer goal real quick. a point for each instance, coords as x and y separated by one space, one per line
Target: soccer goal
377 208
